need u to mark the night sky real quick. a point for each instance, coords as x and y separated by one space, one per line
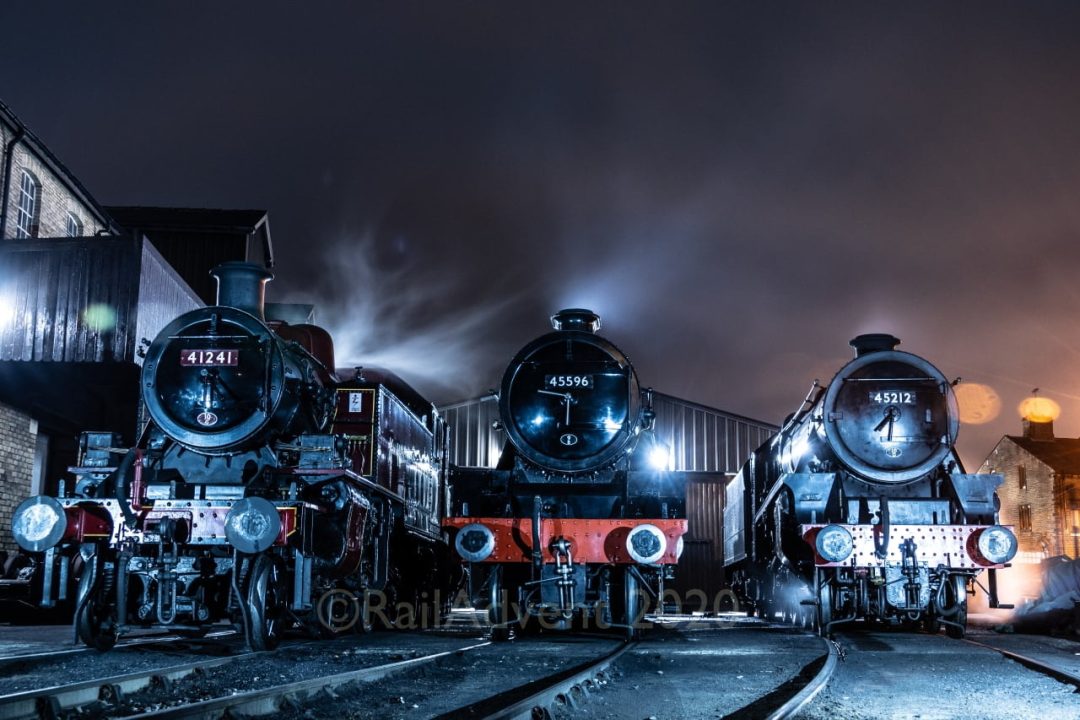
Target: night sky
737 190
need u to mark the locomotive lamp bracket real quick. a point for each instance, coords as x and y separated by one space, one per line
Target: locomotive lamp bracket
992 591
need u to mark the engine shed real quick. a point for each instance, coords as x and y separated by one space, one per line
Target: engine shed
708 444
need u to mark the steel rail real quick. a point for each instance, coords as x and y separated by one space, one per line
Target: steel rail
51 701
802 698
509 705
1039 666
269 700
132 642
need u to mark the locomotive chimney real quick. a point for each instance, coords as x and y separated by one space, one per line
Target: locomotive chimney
242 285
576 319
874 342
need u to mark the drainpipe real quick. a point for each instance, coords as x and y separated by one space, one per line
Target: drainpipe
6 185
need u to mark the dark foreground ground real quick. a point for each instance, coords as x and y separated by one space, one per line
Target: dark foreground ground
684 668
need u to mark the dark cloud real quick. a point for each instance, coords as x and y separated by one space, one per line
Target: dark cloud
737 190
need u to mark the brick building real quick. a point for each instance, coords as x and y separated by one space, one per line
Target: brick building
1041 493
39 197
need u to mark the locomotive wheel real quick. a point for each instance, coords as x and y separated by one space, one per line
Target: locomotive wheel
265 598
500 628
824 606
957 593
365 624
627 607
95 623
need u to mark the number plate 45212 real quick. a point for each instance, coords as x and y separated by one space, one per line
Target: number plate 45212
209 358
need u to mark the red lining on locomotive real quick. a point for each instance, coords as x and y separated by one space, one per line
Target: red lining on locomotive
593 540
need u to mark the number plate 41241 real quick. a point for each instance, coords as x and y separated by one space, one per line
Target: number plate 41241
209 358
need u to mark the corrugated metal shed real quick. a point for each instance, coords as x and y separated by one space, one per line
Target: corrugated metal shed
702 439
699 577
163 295
84 299
474 441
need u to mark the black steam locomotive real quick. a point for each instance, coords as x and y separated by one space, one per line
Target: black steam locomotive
264 489
572 524
859 507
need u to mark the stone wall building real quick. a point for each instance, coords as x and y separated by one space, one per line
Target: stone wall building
1040 497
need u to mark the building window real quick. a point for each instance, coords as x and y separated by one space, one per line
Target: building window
74 225
26 212
1025 518
1021 477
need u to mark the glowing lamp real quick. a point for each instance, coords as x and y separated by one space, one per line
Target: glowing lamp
99 317
7 312
979 404
659 457
1039 409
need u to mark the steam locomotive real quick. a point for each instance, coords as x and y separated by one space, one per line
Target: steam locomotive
859 508
264 490
573 524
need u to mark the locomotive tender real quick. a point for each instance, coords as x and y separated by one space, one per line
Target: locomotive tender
572 525
862 499
262 488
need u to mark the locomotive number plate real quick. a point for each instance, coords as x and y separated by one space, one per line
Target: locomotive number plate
209 358
569 381
892 397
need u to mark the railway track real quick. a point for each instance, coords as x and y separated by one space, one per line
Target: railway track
888 673
794 705
53 701
565 688
109 696
140 641
595 678
273 699
1058 673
